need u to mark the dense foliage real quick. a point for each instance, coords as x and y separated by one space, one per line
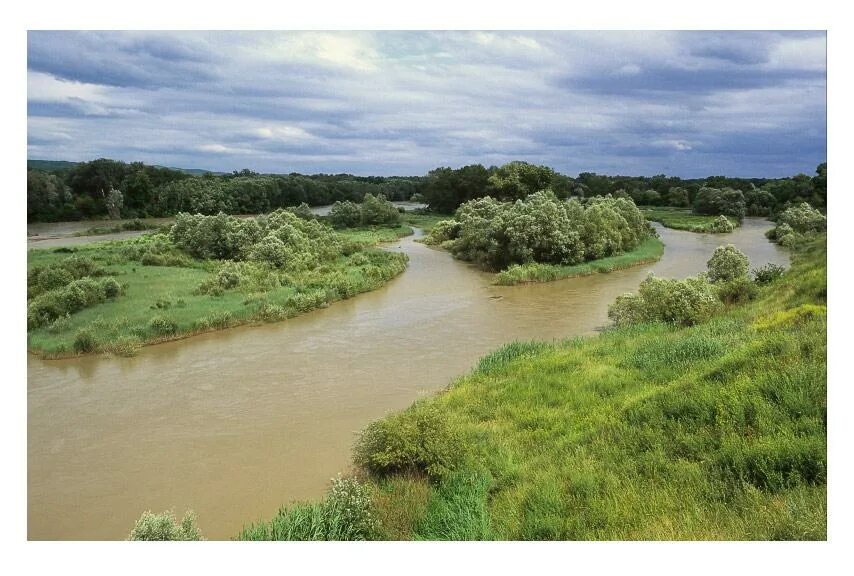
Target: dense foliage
164 526
727 202
693 300
84 191
65 191
797 225
541 228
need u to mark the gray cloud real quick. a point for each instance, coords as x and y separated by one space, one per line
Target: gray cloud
688 103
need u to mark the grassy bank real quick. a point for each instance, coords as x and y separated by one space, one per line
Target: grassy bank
683 219
648 251
424 221
157 293
716 431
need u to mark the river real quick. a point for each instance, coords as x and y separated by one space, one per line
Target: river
235 423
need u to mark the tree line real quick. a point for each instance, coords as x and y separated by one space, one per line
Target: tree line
105 187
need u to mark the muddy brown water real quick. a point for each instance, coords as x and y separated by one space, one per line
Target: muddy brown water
236 423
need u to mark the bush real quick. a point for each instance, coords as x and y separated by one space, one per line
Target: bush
443 231
345 214
376 210
721 224
111 287
302 211
727 263
767 274
84 342
349 511
75 296
419 439
271 250
737 290
803 219
679 302
162 326
164 526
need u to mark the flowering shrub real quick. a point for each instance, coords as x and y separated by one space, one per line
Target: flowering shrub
721 225
680 302
349 511
727 263
164 526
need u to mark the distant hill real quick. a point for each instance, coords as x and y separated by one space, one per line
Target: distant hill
64 166
51 165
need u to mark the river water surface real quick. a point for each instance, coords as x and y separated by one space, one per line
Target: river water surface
235 423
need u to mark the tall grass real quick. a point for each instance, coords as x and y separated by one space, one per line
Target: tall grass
715 431
683 219
650 250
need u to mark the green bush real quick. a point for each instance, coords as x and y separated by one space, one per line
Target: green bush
111 287
767 274
162 326
84 342
303 211
164 526
345 215
443 231
679 302
727 263
542 228
376 210
419 439
721 224
803 219
737 290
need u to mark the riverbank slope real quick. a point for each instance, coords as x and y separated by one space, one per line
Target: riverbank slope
717 431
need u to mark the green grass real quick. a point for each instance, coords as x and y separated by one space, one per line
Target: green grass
648 251
648 432
121 325
372 235
682 219
424 221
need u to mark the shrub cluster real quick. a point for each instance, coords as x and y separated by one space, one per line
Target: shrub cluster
419 439
680 302
541 228
164 526
721 224
70 298
280 239
797 224
41 279
692 300
373 211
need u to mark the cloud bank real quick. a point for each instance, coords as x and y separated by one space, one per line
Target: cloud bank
683 103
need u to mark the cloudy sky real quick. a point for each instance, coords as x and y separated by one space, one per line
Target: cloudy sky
684 103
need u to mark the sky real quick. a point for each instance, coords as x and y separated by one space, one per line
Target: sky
688 104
